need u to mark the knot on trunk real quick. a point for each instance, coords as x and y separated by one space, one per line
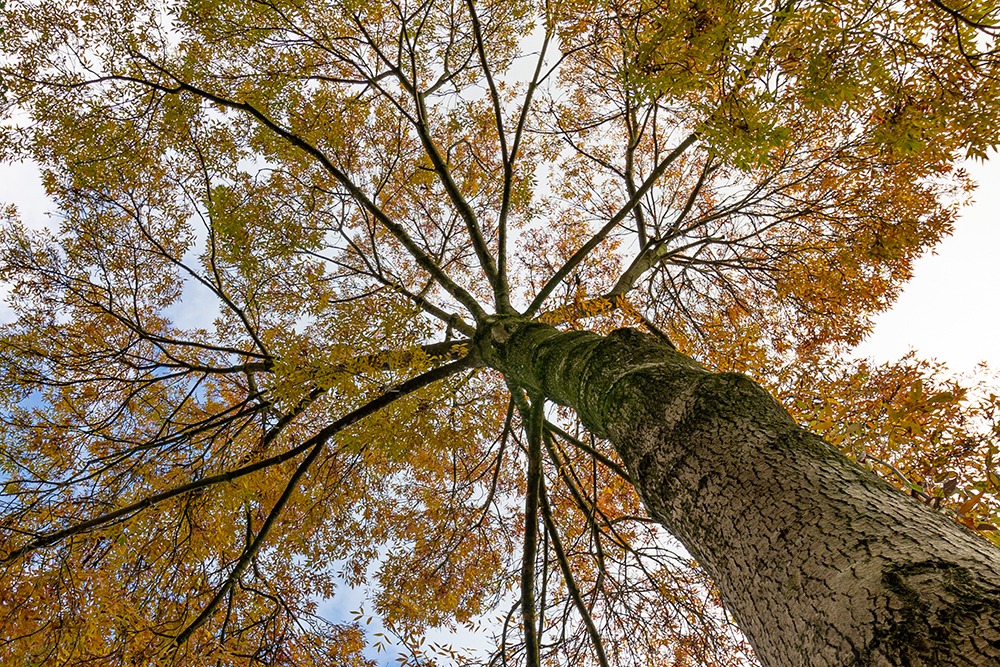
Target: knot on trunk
492 336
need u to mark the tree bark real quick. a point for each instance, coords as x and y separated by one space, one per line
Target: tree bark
820 562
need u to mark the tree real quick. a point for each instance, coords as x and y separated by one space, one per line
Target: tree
404 242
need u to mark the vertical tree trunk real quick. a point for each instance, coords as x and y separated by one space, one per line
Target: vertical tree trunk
821 563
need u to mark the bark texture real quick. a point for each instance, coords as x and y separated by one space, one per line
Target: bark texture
821 563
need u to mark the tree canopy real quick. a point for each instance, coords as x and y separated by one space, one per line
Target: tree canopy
241 372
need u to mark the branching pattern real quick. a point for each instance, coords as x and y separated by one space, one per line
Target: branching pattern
240 370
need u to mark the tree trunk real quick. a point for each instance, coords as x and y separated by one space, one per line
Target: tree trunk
820 562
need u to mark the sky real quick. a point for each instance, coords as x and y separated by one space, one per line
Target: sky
950 310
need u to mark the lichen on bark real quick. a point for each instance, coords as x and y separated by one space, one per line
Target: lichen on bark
821 563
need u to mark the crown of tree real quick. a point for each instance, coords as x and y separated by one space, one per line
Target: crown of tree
405 297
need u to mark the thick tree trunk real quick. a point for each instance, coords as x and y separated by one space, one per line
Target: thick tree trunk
821 563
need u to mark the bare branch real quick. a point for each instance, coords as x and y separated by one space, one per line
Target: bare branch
596 239
574 591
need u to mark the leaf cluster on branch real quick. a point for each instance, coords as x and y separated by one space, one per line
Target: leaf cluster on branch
239 372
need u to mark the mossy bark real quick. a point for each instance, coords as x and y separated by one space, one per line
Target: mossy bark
821 563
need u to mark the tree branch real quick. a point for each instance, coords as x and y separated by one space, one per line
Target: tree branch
596 239
571 587
657 249
394 228
316 444
576 442
536 415
501 289
351 418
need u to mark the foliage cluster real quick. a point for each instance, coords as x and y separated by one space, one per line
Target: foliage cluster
344 191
